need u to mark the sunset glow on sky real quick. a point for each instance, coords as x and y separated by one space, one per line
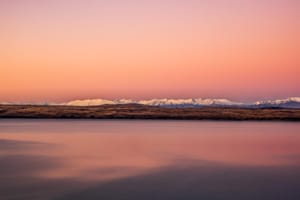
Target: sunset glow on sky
58 50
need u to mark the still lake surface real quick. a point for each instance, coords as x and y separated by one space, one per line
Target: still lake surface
147 160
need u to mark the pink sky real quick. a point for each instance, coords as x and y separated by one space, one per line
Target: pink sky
58 50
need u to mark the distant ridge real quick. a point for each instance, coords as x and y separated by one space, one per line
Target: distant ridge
293 102
156 102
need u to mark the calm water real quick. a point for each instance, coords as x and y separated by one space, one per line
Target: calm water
147 160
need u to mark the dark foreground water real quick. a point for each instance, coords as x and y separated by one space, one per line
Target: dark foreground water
149 160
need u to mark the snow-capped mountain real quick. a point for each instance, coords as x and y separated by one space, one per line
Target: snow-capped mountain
188 102
156 102
89 102
98 102
293 102
5 103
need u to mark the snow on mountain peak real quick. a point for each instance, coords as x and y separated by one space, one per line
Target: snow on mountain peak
89 102
155 102
296 99
292 102
279 101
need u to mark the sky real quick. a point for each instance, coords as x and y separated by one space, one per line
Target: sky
60 50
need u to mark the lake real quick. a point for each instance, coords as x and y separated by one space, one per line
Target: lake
147 160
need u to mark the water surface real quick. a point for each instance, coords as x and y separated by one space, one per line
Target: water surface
136 159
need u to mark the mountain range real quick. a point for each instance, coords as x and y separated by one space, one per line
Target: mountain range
293 102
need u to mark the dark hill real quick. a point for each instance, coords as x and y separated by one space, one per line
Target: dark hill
136 111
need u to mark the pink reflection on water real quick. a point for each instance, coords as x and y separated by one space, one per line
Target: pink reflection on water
105 150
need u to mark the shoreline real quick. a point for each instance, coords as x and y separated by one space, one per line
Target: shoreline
141 112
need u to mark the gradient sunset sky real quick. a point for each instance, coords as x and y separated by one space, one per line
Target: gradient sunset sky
59 50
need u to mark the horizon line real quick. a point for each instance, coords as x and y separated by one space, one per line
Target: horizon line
297 98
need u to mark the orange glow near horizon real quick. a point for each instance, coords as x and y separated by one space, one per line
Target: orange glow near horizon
63 50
